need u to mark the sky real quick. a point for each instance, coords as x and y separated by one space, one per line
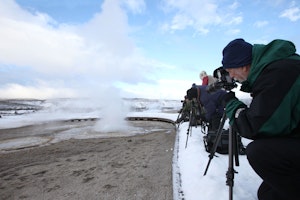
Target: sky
133 48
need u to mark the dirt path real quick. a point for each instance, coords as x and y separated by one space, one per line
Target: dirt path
123 168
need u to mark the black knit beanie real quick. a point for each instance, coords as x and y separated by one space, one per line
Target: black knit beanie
237 53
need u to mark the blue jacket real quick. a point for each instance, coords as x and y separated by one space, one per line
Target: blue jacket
212 102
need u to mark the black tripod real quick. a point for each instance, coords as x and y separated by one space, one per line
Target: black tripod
232 152
183 116
192 120
179 117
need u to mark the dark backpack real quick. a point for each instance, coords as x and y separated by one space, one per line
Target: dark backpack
222 147
210 138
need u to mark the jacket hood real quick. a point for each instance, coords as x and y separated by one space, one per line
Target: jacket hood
263 55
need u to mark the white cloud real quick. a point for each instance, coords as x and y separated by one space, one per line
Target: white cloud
194 14
292 14
234 21
161 89
234 5
199 15
12 91
233 31
10 10
98 52
260 24
45 49
136 6
180 22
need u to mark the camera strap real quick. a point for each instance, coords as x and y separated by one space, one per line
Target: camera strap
198 99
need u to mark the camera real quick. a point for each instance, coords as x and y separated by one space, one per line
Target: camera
192 93
223 81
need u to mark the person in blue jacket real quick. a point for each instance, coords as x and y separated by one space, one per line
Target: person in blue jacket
211 102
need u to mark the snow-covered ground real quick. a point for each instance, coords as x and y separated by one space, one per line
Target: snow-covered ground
192 162
189 163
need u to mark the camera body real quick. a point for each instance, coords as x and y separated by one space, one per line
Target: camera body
192 93
223 81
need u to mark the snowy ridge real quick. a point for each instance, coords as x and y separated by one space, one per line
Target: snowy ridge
177 187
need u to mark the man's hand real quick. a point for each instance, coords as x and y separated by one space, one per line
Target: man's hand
228 97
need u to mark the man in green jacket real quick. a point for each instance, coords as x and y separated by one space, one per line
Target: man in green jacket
271 74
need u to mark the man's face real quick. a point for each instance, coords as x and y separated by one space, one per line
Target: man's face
240 74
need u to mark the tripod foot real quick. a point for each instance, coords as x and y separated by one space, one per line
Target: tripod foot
242 151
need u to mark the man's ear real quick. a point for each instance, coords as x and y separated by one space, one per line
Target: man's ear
246 68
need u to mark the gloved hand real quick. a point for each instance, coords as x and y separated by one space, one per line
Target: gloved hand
228 97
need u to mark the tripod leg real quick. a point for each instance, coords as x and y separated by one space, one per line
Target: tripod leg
236 147
191 121
230 172
187 138
189 130
216 142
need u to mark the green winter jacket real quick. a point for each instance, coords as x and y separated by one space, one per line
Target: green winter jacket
274 84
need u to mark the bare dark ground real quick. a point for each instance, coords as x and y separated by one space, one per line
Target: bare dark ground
120 168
